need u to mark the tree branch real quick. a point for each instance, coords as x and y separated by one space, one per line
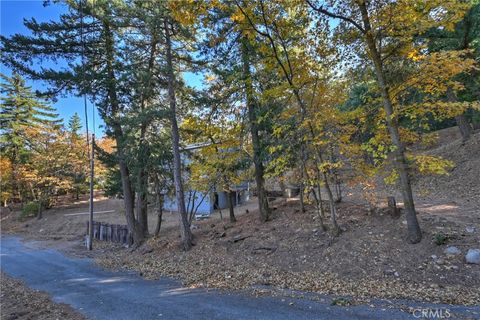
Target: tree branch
336 16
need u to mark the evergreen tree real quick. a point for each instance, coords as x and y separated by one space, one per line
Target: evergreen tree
21 110
78 152
74 125
131 87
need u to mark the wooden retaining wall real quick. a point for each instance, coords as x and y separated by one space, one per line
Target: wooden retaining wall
111 232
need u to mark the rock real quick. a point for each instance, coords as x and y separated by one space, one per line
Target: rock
452 251
146 249
470 229
451 267
238 238
473 256
440 261
390 272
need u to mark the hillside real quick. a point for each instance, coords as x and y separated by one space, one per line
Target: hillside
462 184
292 252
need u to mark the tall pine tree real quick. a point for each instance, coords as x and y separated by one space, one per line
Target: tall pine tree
21 109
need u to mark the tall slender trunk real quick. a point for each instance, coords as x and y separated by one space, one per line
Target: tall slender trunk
177 169
230 206
39 212
333 210
415 234
331 200
252 117
159 201
142 177
303 168
16 194
229 199
462 122
142 203
128 196
318 199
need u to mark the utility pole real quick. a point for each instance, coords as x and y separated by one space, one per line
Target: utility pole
90 223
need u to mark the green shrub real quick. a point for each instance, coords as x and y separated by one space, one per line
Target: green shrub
440 239
341 302
29 210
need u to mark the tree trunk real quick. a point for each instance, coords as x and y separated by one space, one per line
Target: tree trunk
333 210
230 206
16 194
128 198
159 213
302 196
252 117
319 186
39 212
283 187
142 203
464 126
338 189
177 169
331 200
414 232
320 213
142 183
462 122
303 167
318 201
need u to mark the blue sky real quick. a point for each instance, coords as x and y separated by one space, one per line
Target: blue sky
12 13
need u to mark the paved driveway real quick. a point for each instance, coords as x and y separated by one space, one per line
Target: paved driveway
101 294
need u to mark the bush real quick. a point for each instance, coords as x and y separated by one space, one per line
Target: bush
440 239
29 210
341 302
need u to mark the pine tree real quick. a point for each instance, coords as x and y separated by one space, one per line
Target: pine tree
78 153
130 87
74 125
21 110
232 52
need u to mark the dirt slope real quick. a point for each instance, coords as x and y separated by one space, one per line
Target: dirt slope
462 185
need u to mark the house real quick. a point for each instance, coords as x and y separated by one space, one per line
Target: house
204 204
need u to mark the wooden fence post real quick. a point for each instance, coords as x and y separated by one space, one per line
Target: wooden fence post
111 232
392 207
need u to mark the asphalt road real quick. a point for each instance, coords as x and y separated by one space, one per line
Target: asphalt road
101 294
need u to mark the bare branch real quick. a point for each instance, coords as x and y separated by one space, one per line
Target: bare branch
336 16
